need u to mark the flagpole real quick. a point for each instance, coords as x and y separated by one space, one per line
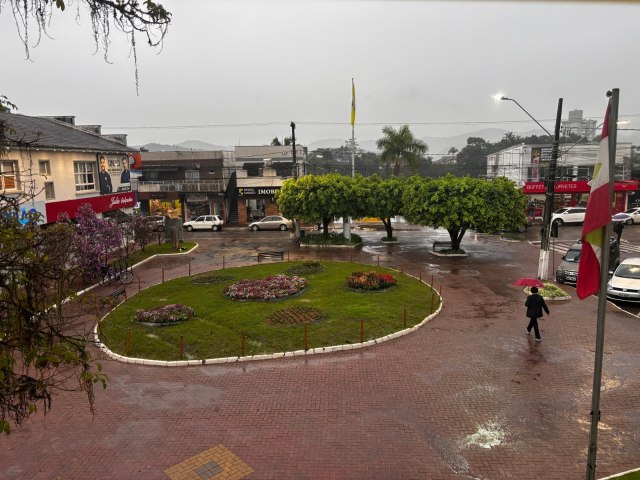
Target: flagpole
602 296
346 223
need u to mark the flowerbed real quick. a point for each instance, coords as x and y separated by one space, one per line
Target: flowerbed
297 315
370 281
268 288
173 313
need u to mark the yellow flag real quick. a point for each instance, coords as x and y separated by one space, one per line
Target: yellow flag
353 103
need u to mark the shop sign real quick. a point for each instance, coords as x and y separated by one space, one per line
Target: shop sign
196 197
579 186
103 203
244 191
541 154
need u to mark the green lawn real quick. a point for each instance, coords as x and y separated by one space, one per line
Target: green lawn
217 329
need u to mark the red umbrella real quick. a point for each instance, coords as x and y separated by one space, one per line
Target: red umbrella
529 282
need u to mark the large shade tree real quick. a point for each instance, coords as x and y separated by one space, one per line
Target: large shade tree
398 147
460 204
385 200
321 198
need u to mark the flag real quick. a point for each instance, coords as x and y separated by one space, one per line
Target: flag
596 219
353 103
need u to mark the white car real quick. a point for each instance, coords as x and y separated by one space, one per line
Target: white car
624 285
271 222
629 216
204 222
568 215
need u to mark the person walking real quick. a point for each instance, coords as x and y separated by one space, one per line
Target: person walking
535 304
617 229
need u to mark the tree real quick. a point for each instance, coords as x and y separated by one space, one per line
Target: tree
472 159
399 147
42 348
131 17
314 198
459 204
139 229
275 142
385 200
97 240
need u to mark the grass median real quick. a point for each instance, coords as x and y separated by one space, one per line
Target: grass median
218 328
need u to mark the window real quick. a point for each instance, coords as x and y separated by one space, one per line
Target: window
49 191
9 178
44 167
85 176
192 174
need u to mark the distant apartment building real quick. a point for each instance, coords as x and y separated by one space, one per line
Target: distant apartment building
528 167
60 166
577 125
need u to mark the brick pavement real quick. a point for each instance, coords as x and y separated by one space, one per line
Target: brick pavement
469 396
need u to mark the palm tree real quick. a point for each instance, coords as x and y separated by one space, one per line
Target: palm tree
400 147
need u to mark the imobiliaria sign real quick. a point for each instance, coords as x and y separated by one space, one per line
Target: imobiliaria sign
102 203
578 186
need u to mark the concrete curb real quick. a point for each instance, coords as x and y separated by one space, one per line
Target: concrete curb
271 356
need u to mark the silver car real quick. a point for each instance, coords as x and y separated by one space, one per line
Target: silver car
271 222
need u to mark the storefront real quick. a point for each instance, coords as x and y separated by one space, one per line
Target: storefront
100 204
256 202
574 193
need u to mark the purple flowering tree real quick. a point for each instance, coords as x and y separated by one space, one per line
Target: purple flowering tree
97 240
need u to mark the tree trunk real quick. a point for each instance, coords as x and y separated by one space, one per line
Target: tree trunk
456 237
388 227
325 225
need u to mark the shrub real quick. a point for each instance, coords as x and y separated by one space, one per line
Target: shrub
370 280
331 239
173 313
307 267
268 288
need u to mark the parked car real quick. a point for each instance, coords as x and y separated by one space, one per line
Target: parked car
567 271
204 222
271 222
568 215
624 285
629 216
159 225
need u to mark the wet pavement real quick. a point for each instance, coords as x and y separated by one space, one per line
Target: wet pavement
468 396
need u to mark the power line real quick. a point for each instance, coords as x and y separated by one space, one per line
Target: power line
317 123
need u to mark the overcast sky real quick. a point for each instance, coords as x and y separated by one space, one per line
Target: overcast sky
433 65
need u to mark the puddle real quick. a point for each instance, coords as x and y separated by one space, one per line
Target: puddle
488 435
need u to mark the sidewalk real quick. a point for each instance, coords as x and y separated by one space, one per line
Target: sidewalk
467 396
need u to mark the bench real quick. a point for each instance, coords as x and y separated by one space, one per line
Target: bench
442 244
115 294
271 254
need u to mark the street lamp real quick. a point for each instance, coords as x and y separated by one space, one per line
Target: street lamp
543 263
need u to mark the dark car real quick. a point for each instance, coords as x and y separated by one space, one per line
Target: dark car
567 271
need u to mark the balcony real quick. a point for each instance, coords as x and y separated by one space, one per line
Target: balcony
187 186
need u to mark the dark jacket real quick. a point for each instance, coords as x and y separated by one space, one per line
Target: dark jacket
535 303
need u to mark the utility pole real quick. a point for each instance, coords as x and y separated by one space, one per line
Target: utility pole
543 264
293 143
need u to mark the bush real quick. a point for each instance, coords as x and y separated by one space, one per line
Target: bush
331 239
306 268
173 313
370 280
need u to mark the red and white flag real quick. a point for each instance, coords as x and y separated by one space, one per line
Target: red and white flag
596 219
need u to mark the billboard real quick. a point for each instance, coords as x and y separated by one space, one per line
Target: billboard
114 172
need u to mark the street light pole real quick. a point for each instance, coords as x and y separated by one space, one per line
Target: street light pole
543 262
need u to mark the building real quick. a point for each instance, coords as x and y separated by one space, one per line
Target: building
59 166
528 167
185 184
577 125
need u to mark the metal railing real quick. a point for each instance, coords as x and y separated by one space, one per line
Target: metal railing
182 186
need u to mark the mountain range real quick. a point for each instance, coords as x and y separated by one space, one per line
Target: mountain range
438 146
